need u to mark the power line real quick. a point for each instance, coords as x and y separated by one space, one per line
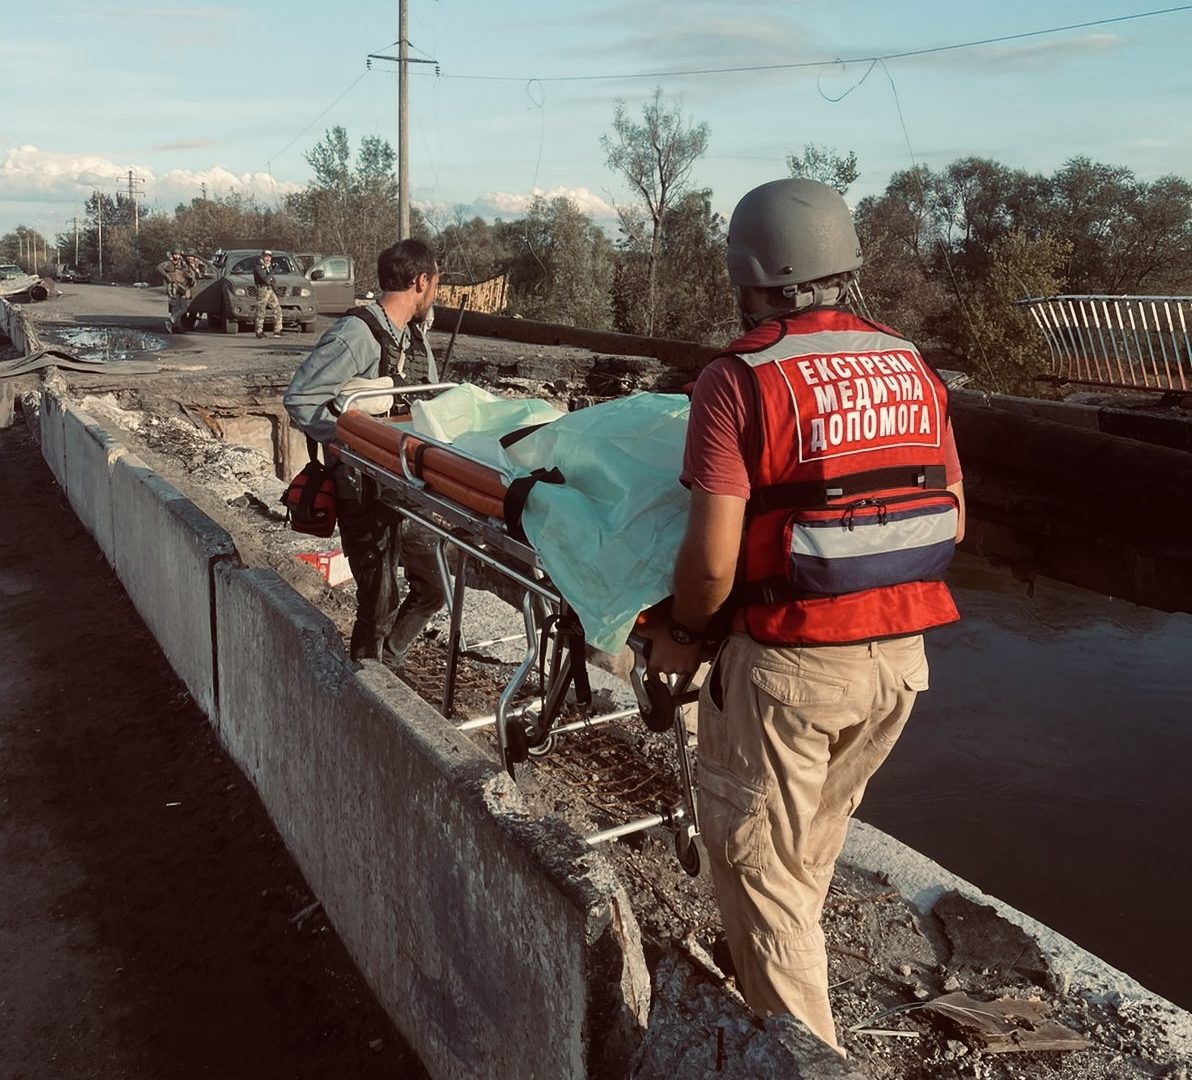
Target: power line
317 118
835 61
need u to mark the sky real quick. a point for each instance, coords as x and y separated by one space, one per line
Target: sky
228 97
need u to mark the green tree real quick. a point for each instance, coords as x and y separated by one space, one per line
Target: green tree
209 223
27 248
898 236
1159 255
563 271
999 339
655 158
1086 204
822 163
101 214
1125 235
350 207
975 202
696 301
472 249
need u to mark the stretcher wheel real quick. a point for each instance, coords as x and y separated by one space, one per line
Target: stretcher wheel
687 852
517 748
661 716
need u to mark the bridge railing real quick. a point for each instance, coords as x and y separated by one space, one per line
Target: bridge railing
1135 342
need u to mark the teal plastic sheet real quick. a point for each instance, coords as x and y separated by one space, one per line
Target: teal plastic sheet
609 534
473 421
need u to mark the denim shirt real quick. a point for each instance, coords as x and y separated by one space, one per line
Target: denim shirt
346 351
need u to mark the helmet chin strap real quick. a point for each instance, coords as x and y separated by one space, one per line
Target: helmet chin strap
804 297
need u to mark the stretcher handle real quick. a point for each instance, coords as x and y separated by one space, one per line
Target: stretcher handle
655 701
394 391
661 715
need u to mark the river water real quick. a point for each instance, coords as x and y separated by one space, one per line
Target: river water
1048 765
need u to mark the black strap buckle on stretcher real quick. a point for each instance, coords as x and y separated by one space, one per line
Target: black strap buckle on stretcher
518 492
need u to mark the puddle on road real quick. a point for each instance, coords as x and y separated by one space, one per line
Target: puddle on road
107 343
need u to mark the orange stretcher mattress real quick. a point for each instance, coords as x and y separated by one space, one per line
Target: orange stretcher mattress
471 484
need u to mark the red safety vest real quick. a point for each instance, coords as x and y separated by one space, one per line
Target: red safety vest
849 525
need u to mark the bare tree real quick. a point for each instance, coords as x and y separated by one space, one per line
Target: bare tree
656 158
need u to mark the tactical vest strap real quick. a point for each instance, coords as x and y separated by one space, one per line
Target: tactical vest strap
389 347
806 493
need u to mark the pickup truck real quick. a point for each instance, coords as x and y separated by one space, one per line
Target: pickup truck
229 297
334 280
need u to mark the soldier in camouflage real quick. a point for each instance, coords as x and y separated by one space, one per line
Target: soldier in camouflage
180 280
262 275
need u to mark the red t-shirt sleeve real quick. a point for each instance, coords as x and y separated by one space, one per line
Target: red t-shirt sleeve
952 473
723 414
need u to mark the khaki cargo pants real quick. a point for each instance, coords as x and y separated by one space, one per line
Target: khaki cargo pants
178 301
788 739
267 299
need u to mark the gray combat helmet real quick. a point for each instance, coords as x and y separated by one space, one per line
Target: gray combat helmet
788 232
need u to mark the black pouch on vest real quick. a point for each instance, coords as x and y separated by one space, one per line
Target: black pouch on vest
310 498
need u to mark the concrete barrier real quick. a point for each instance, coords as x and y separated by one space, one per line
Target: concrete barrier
17 327
50 423
91 454
501 946
165 549
1036 493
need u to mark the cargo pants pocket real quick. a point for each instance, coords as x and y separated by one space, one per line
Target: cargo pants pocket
732 820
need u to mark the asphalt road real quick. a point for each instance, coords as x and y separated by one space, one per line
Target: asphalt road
151 921
87 317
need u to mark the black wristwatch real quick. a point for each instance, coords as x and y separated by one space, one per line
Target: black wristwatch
682 635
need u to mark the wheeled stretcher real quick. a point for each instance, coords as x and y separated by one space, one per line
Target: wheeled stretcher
474 508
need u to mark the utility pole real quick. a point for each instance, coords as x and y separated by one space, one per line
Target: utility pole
403 123
76 262
403 116
99 230
133 194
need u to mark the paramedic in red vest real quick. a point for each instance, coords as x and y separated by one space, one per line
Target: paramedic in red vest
363 351
826 500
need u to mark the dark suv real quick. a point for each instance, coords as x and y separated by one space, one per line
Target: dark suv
230 298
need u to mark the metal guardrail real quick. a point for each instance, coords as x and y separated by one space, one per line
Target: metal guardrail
1133 342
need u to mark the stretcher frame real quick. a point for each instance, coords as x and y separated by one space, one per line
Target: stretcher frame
522 732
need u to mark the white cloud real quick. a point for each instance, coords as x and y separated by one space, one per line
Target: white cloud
27 173
504 203
186 183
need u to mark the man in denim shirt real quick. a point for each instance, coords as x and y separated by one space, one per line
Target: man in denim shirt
375 540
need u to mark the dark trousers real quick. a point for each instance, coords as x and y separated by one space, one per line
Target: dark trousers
376 542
